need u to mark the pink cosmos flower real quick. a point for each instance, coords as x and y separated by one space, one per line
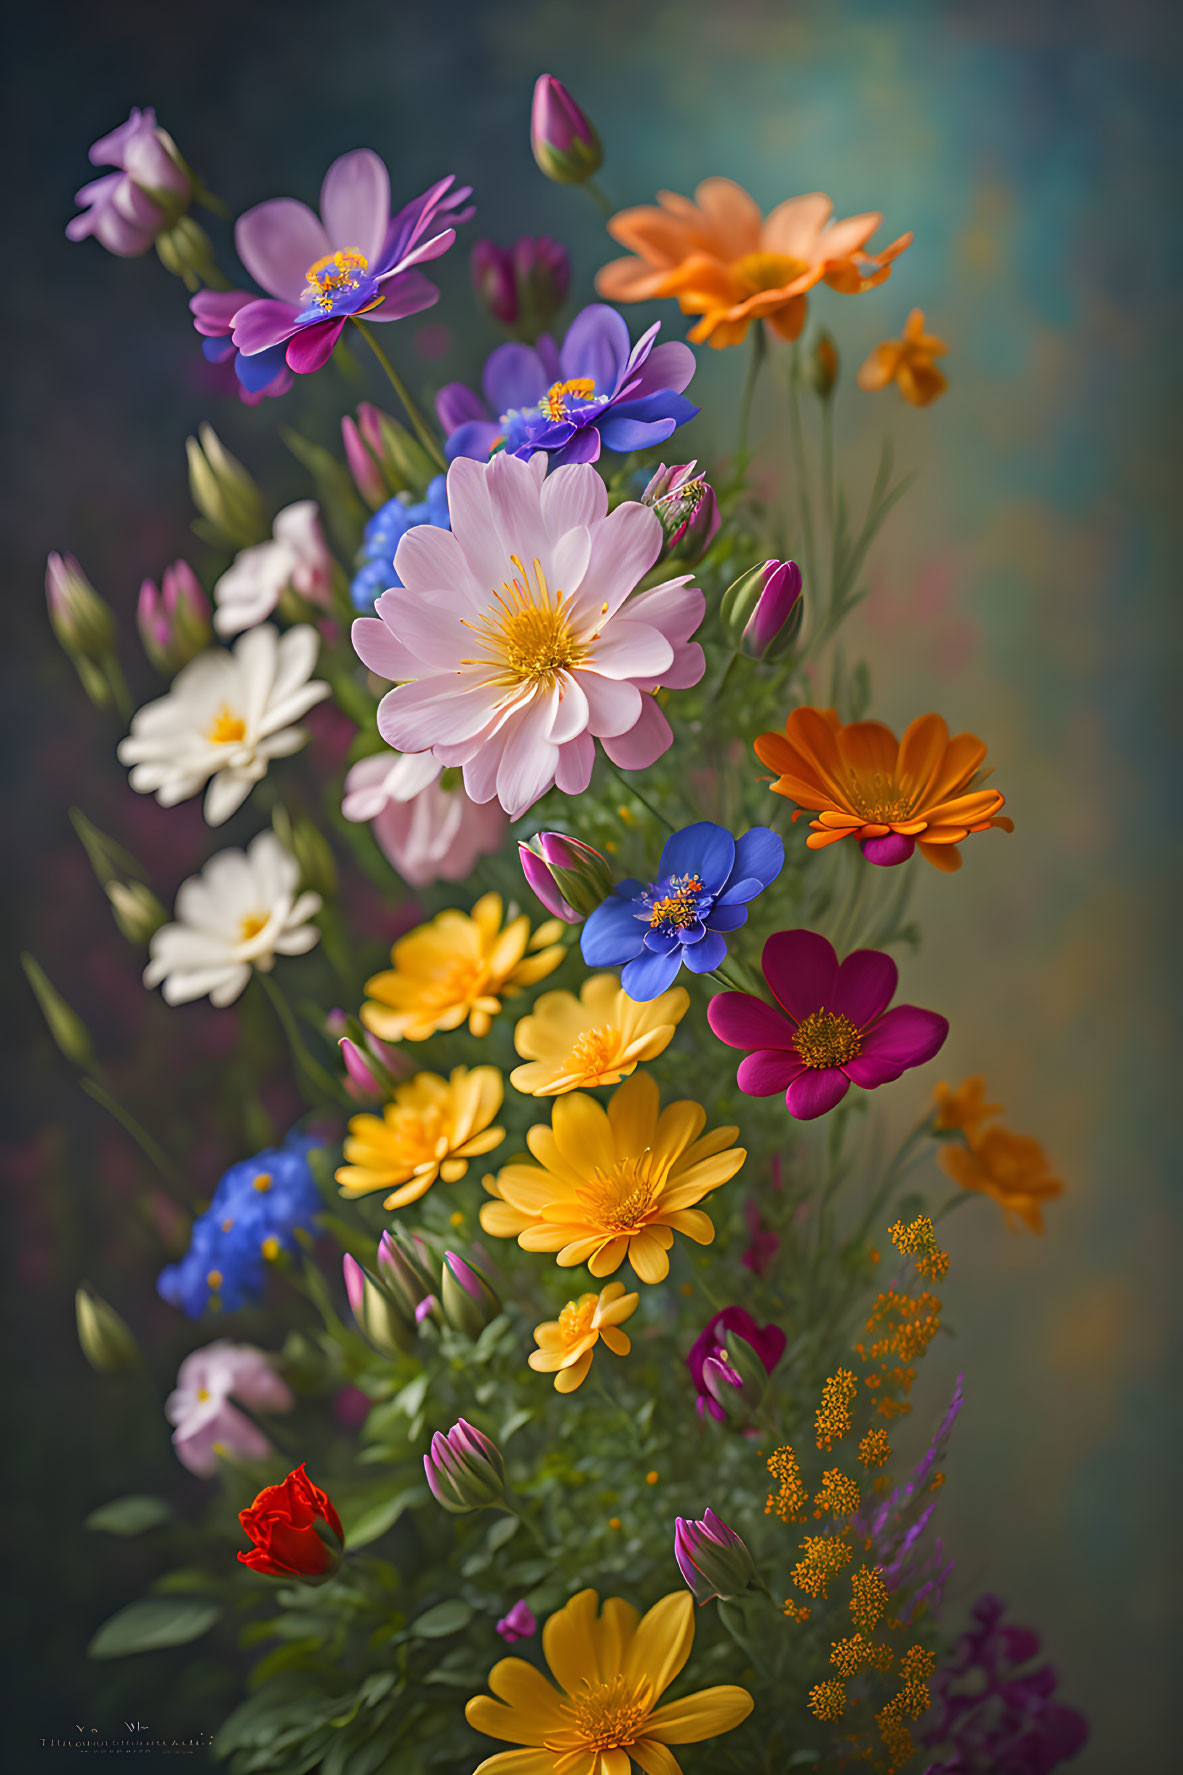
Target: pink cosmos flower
126 210
516 638
829 1028
207 1423
354 259
428 832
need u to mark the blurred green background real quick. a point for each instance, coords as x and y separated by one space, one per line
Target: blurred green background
1022 589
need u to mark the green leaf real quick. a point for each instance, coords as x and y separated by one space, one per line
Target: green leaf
375 1515
445 1618
130 1515
501 1531
513 1423
145 1626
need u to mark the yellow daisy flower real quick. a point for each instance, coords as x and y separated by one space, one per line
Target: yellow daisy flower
595 1039
614 1184
458 966
430 1129
611 1667
565 1344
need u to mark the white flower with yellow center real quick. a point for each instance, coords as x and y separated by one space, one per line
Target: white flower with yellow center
242 911
228 714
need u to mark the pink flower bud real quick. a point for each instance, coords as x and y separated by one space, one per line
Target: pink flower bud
689 512
357 1069
366 475
774 606
569 877
564 141
519 1623
712 1558
464 1469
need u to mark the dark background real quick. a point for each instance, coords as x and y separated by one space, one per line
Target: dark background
1028 588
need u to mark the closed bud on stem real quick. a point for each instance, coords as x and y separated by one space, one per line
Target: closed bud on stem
403 1264
105 1340
358 1069
363 442
685 502
523 286
763 608
404 461
136 910
187 251
464 1469
563 138
174 622
65 1026
712 1558
469 1303
569 877
81 620
223 492
823 365
376 1313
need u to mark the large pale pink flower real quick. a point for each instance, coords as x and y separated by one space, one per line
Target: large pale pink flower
427 830
208 1424
516 639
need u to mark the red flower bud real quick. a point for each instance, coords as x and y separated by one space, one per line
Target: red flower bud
295 1530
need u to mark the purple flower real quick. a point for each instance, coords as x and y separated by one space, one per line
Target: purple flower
522 286
893 1528
776 603
594 390
563 138
518 1624
829 1027
705 879
990 1717
709 1354
464 1469
354 259
569 877
712 1558
127 209
264 374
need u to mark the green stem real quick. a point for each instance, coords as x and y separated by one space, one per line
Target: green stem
895 1173
599 197
151 1149
804 498
724 676
631 789
308 1068
512 1510
422 430
120 695
755 362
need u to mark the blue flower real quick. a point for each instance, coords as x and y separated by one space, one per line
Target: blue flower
255 1213
705 880
382 536
595 389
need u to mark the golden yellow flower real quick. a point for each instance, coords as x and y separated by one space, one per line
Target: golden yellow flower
611 1668
455 967
964 1106
614 1184
430 1129
565 1344
595 1039
1012 1168
910 362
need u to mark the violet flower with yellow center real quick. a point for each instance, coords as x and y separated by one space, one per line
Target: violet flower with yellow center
458 967
891 795
614 1184
596 1039
430 1129
565 1344
611 1667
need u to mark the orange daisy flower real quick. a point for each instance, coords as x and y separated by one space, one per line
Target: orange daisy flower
725 261
892 795
964 1106
908 362
1013 1168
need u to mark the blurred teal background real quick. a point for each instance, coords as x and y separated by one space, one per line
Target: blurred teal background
1022 589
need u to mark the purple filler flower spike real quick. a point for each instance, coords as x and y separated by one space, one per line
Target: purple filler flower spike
829 1028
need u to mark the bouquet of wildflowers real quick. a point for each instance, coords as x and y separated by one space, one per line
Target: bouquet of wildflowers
588 1306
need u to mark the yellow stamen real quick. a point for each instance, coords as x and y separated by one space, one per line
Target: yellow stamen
249 927
767 271
678 907
214 1279
826 1038
554 401
619 1201
226 728
262 1182
878 799
336 272
203 1394
527 639
270 1248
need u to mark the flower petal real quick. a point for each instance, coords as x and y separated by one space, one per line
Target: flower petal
801 968
703 1715
816 1092
864 987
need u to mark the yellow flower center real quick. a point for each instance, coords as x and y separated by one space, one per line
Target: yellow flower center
270 1248
767 271
619 1201
226 728
827 1038
328 277
526 637
575 1320
203 1395
214 1279
418 1139
262 1182
554 401
609 1716
878 799
250 926
679 906
595 1051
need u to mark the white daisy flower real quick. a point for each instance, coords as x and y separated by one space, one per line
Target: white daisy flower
255 581
241 912
226 716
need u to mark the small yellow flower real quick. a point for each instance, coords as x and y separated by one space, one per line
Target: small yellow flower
612 1666
909 361
1012 1168
964 1106
565 1344
455 967
595 1039
614 1183
430 1129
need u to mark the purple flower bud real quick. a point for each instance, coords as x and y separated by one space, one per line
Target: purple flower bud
689 512
357 1068
519 1623
403 1262
469 1303
569 877
565 144
464 1469
493 280
427 1306
174 622
895 847
376 1313
367 477
712 1558
774 606
721 1380
522 286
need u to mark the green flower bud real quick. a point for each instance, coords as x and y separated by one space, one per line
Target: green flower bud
468 1302
82 622
106 1342
376 1312
137 911
223 492
65 1026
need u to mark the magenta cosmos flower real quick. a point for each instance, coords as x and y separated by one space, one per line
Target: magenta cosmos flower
829 1028
516 639
354 259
